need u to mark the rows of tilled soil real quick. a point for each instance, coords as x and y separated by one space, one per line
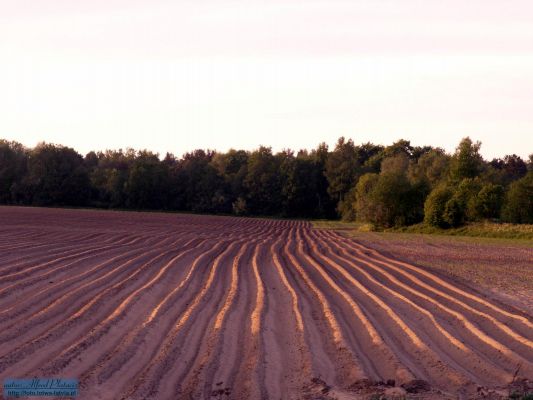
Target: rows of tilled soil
166 306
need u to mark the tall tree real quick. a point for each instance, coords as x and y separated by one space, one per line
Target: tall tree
466 162
511 167
57 176
325 204
263 183
518 207
233 167
13 165
109 177
301 177
401 146
431 167
200 187
315 184
148 182
342 169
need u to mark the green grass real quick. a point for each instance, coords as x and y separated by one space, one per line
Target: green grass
342 225
478 229
527 396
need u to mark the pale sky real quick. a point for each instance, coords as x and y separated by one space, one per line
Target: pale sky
179 75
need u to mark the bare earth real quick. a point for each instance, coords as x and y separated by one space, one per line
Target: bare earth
166 306
501 267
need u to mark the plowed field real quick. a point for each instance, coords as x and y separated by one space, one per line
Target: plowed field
166 306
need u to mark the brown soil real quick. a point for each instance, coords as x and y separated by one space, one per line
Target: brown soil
166 306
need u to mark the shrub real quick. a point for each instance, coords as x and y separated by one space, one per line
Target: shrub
454 212
465 195
346 207
488 202
239 206
364 204
388 200
435 205
518 207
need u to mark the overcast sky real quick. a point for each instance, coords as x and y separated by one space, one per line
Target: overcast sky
179 75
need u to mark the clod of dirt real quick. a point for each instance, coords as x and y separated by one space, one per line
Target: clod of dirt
318 381
317 390
492 394
362 385
221 392
326 389
521 386
417 386
395 393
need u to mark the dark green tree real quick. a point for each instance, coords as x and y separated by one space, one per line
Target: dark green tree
466 162
435 206
510 168
488 201
56 176
109 177
397 164
200 187
518 206
232 167
325 204
401 146
364 206
342 169
431 167
13 168
148 183
395 183
454 212
263 183
388 199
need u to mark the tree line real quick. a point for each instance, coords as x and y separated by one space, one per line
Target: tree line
385 186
